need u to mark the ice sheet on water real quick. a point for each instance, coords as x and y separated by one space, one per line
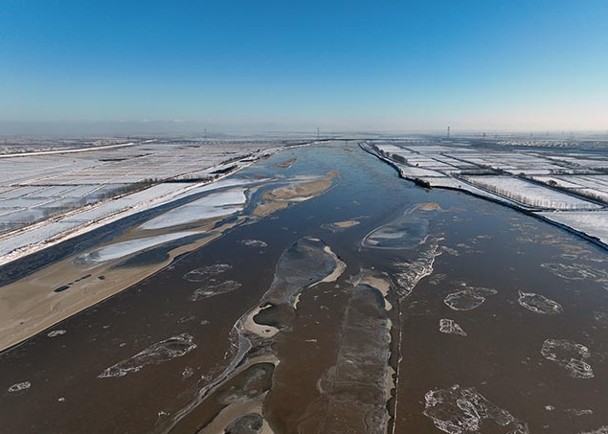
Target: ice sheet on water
569 355
449 326
155 354
458 410
214 288
410 273
17 387
406 232
468 299
600 430
578 412
254 243
539 303
567 271
55 333
204 273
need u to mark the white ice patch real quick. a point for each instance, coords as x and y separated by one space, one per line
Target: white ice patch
213 288
410 273
600 430
468 299
221 203
567 271
55 333
20 386
457 410
155 354
538 303
254 243
449 326
569 355
578 412
204 273
125 248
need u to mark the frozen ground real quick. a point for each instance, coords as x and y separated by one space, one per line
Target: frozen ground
124 248
592 223
47 196
214 205
569 186
529 194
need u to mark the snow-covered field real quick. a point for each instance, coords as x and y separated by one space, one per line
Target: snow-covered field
47 197
592 223
218 204
529 194
592 186
571 177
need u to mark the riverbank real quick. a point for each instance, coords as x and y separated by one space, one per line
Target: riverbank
592 230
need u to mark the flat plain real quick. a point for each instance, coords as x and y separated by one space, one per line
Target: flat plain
358 284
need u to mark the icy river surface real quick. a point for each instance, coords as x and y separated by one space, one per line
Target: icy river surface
333 297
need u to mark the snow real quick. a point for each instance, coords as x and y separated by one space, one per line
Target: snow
529 194
124 248
76 184
592 223
218 204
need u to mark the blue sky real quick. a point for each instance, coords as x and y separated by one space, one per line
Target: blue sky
293 65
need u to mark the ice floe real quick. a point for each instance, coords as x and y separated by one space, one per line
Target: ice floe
600 430
567 271
449 326
358 387
468 299
410 273
406 232
458 410
20 386
214 288
187 373
155 354
539 303
578 412
569 355
254 243
202 274
55 333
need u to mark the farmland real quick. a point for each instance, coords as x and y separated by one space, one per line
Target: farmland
49 192
551 179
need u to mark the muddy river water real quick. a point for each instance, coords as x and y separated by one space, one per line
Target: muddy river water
333 297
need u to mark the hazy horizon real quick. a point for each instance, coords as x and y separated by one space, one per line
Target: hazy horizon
114 68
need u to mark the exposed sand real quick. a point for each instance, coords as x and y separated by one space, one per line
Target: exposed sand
53 231
62 289
235 410
346 224
429 206
281 197
30 305
250 326
286 164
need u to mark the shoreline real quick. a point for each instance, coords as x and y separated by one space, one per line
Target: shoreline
65 308
25 250
495 199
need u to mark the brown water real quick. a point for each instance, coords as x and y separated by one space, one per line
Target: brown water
437 312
